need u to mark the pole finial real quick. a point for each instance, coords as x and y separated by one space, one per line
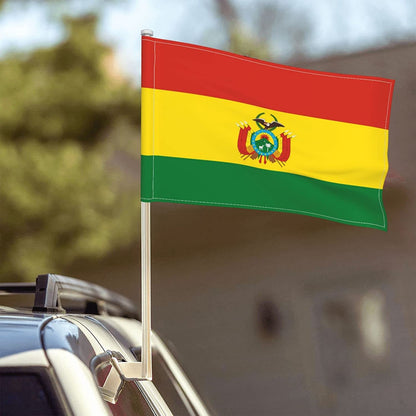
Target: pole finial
147 32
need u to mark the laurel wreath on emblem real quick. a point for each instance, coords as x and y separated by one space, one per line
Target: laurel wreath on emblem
264 144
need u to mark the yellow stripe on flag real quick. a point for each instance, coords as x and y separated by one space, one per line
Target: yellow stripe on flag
204 128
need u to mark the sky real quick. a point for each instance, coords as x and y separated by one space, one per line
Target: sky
336 27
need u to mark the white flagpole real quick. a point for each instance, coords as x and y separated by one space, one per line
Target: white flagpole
146 279
146 291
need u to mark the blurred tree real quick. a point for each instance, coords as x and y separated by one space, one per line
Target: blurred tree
65 92
239 37
259 30
59 201
57 204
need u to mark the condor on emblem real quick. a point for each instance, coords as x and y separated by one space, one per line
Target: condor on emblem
264 144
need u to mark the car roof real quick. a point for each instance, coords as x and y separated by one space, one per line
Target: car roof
20 332
23 331
63 316
74 301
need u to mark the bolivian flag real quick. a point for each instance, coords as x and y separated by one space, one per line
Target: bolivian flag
227 130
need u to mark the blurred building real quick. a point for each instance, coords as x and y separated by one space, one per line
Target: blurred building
274 313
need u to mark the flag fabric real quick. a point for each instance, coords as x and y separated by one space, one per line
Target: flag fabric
226 130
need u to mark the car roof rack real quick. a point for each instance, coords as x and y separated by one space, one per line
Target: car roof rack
17 288
49 289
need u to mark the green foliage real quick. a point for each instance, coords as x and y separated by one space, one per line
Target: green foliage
58 200
64 93
57 203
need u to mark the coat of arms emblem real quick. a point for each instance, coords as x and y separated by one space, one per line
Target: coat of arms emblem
264 144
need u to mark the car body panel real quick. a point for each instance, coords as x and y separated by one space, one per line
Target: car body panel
32 358
78 384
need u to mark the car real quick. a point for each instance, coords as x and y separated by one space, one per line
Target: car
65 355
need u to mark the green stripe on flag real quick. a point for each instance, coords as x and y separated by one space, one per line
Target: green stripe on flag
201 182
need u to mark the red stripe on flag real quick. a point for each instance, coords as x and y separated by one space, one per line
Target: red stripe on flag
182 67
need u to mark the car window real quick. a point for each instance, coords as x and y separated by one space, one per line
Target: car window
27 393
169 388
130 402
